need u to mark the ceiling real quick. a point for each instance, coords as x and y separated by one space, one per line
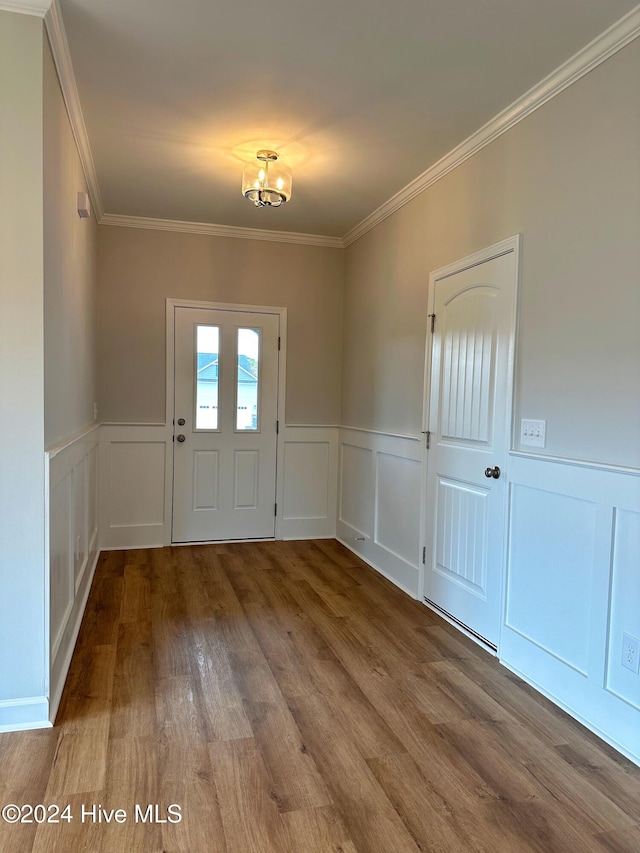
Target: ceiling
359 98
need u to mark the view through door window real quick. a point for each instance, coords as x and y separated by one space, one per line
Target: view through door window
207 370
247 386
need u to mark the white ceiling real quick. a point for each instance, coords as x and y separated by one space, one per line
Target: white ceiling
358 97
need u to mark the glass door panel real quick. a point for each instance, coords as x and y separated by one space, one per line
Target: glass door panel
207 376
248 380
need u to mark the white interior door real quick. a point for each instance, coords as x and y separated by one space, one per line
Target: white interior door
225 413
469 422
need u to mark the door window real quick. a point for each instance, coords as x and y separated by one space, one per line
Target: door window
207 373
248 380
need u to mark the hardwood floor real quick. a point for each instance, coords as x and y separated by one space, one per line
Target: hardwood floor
291 700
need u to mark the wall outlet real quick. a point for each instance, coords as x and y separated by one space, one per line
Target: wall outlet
533 433
631 653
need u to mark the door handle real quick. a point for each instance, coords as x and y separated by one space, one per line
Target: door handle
181 422
492 472
181 438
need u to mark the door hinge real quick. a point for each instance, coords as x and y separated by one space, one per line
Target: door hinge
424 554
278 343
275 509
433 322
277 427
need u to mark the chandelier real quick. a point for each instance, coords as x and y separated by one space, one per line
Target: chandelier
266 182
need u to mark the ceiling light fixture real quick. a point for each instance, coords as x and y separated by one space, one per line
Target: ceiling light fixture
266 182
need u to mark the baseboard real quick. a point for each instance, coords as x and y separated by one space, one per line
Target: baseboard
307 528
131 537
17 715
575 715
413 593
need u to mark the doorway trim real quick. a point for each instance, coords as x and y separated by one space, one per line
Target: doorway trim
511 244
171 305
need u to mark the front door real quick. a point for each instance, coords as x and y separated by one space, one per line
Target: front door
469 423
225 412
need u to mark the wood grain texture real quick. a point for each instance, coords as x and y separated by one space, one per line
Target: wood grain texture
291 700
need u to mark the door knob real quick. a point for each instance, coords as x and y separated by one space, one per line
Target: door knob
181 421
181 438
492 472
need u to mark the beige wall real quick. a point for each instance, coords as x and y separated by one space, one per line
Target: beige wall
138 269
22 512
69 275
568 179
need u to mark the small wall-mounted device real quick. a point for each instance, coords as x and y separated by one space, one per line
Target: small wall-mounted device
533 433
84 207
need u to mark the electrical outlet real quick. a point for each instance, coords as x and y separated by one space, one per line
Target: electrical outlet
631 653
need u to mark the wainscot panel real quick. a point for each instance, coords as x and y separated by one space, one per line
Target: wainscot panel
572 590
545 595
624 681
309 482
73 548
379 502
134 466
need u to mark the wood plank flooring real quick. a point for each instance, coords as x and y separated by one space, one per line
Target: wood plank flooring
291 700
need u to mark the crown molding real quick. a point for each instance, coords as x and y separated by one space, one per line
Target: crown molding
596 52
64 67
39 9
221 230
600 49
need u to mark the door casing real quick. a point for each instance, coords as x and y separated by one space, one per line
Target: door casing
511 244
171 305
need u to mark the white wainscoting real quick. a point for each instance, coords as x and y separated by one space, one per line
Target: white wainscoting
135 484
573 589
73 548
308 482
379 502
135 465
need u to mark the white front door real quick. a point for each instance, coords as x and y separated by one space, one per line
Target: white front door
225 413
469 423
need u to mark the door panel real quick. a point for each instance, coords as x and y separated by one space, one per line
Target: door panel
246 479
461 534
226 388
205 479
468 366
468 418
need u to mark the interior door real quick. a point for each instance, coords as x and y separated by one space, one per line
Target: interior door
225 413
469 423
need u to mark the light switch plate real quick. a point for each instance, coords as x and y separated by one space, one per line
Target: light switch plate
533 433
